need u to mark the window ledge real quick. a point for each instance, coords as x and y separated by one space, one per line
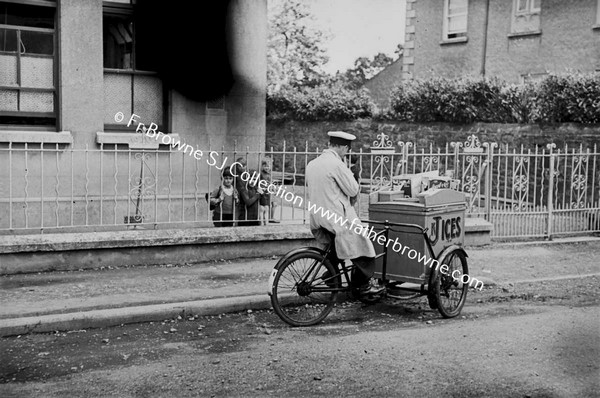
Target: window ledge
596 27
216 112
524 34
133 140
36 137
453 41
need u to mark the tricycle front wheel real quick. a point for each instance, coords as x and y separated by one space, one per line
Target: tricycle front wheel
448 289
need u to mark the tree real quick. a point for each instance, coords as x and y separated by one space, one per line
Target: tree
294 51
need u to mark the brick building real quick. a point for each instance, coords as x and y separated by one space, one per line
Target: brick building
515 40
81 61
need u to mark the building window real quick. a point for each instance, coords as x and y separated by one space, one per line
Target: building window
528 7
533 77
455 19
28 64
598 14
131 84
526 17
218 103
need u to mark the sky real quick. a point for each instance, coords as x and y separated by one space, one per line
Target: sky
359 28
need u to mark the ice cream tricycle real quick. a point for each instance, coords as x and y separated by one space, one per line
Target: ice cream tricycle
421 256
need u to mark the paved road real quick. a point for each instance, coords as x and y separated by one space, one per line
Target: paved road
58 292
528 340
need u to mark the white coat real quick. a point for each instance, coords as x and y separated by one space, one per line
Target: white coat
330 187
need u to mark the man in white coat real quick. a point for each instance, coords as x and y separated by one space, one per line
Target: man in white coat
331 186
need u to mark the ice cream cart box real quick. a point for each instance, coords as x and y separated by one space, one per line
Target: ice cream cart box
442 211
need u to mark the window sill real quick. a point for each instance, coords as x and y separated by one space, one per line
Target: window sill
596 27
36 137
216 112
454 41
524 34
132 140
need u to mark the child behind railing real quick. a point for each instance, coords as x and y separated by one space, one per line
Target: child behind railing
223 201
267 205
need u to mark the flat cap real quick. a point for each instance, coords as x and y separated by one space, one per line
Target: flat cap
341 138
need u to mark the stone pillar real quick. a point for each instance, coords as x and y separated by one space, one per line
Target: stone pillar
81 93
246 103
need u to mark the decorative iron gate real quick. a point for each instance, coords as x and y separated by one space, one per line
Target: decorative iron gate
536 192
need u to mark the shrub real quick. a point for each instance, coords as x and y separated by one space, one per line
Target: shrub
518 100
489 101
556 99
458 101
569 98
319 103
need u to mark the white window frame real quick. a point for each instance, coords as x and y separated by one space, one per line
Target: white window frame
447 16
598 13
526 21
125 8
19 86
533 77
529 7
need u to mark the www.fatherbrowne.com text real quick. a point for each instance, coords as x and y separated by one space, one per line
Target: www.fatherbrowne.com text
279 191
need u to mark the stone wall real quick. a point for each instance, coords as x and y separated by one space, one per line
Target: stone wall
437 134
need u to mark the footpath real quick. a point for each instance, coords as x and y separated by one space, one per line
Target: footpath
73 300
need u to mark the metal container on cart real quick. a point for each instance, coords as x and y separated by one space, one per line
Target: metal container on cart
442 211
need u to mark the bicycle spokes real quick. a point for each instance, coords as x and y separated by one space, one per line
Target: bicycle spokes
304 289
449 288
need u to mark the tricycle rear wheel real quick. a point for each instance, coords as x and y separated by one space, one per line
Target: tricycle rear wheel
304 289
447 291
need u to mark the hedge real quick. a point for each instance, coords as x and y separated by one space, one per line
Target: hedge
556 99
570 98
319 103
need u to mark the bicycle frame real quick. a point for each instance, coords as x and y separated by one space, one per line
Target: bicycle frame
345 270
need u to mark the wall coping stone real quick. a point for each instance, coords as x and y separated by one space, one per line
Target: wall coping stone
170 237
146 238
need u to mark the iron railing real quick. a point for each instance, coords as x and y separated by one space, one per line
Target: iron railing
524 192
533 192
